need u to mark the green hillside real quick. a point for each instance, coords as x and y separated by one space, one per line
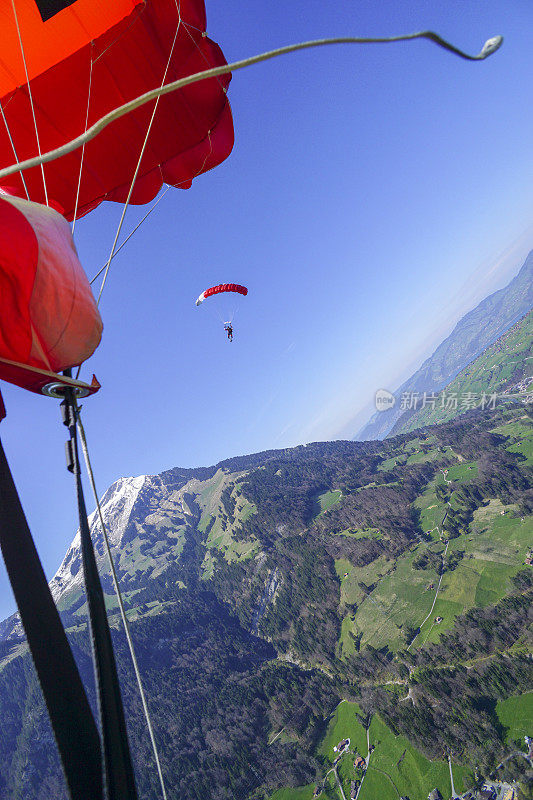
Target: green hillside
283 601
394 766
504 369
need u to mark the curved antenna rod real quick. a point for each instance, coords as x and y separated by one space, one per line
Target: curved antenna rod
490 46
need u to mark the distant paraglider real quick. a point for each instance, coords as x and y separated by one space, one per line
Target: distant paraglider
223 287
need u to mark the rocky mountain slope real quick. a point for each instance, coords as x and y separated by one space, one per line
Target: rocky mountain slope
266 589
471 336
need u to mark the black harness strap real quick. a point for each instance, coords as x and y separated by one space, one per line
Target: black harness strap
70 714
118 768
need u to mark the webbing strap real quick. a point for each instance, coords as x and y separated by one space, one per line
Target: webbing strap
118 768
70 714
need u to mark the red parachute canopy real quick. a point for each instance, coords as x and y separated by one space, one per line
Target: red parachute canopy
49 318
222 287
75 61
84 59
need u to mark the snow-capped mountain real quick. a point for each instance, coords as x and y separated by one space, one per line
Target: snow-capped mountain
117 505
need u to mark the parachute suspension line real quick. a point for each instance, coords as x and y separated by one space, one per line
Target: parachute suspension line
14 149
23 54
128 237
133 19
200 170
490 47
118 593
83 148
136 172
118 768
202 54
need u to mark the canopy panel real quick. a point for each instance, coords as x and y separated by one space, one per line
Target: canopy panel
48 315
222 287
129 45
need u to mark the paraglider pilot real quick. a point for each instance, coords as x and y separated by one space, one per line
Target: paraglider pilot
228 327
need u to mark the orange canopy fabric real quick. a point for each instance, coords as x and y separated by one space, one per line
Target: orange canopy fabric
89 57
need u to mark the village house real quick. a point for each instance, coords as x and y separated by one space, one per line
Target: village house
343 745
488 792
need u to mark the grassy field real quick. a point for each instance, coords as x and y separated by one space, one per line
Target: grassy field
431 509
344 724
412 773
395 767
301 793
462 473
520 432
516 714
221 531
361 533
400 599
506 361
491 552
525 449
327 500
520 428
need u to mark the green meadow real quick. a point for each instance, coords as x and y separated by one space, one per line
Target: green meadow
516 714
395 766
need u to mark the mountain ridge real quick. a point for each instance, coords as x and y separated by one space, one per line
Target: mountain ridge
501 372
264 590
474 332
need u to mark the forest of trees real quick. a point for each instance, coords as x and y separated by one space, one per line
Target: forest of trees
219 693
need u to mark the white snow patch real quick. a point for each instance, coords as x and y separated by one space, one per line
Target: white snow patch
116 504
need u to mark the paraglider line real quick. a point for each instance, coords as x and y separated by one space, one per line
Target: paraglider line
118 768
14 149
128 237
83 148
490 46
200 51
30 96
120 599
137 168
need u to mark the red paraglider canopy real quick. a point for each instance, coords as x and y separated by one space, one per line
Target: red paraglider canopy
49 320
64 64
222 287
85 59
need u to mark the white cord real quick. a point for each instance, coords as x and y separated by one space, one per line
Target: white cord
83 148
14 149
126 204
128 237
120 601
30 96
490 47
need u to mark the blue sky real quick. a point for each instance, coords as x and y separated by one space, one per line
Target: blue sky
374 195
